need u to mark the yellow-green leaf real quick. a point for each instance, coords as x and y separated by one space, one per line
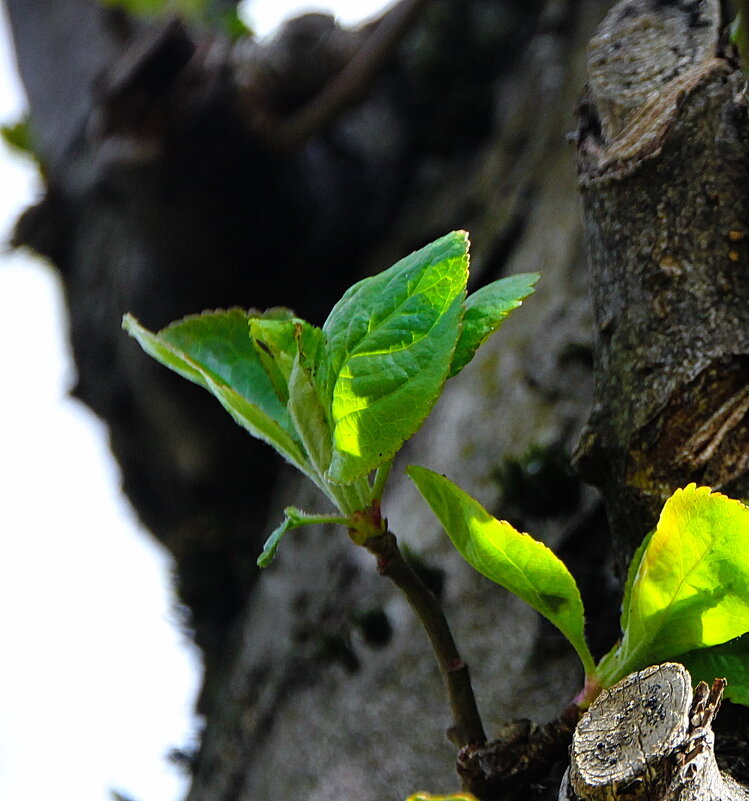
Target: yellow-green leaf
485 310
691 588
516 561
451 797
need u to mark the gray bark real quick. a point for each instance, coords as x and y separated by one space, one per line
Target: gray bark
664 173
663 166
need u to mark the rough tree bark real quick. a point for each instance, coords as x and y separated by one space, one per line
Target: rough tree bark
177 180
664 166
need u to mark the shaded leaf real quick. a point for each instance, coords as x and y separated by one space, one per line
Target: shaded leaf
516 561
278 337
190 9
634 566
17 135
215 351
485 310
309 416
390 342
691 589
729 661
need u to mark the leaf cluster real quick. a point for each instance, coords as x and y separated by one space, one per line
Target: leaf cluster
686 596
338 402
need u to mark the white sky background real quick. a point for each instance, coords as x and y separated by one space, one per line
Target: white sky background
96 682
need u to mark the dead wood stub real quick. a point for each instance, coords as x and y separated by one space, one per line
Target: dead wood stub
649 737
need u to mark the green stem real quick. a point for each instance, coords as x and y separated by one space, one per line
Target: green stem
467 728
381 477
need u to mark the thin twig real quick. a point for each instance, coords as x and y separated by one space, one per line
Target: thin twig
467 728
351 83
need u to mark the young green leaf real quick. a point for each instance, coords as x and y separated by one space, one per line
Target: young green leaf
308 414
215 351
279 339
274 343
390 342
609 664
691 589
294 518
485 310
729 661
519 563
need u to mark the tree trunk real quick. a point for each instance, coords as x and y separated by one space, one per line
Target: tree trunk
186 172
664 165
664 169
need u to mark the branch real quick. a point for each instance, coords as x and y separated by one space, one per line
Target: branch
467 728
344 88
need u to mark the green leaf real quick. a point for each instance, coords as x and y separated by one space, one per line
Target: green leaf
308 413
691 589
634 566
17 135
390 342
190 9
278 337
486 310
215 351
729 661
294 518
516 561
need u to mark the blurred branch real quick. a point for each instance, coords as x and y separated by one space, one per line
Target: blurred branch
346 87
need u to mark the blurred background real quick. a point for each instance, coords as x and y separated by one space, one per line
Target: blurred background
101 683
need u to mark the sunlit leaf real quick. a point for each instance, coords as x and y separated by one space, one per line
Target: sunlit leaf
485 310
691 589
519 563
390 342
